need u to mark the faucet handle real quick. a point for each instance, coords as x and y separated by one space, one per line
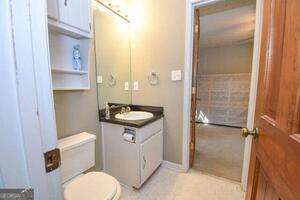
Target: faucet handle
123 110
128 109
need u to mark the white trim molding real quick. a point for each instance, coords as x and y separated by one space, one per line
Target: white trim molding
253 90
190 6
172 166
189 20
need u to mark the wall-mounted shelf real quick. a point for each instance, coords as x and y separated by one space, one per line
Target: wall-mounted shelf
68 71
71 18
69 24
64 77
70 89
68 30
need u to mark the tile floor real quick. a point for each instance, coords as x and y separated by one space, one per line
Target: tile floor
219 151
166 184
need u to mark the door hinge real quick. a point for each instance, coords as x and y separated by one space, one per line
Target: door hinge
196 28
193 90
52 160
192 146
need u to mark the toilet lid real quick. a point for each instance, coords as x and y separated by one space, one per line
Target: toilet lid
92 186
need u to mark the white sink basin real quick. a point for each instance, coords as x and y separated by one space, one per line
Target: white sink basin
134 115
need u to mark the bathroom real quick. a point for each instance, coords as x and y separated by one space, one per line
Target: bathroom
97 101
113 72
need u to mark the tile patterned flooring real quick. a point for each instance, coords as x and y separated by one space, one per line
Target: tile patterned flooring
166 184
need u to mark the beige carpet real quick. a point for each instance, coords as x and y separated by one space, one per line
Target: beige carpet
219 151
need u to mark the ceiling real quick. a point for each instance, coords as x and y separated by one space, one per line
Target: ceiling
228 27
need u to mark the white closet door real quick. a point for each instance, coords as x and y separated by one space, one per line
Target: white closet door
151 155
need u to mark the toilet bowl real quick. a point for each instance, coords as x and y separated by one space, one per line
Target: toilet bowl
77 156
93 186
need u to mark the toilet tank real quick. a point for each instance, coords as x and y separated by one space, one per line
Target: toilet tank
77 154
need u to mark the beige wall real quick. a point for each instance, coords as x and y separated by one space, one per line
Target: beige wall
158 45
230 59
78 112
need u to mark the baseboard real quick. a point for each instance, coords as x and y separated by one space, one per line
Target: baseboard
172 166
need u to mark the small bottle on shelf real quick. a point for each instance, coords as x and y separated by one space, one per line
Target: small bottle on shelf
107 111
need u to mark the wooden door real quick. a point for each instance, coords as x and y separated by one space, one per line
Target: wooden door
275 158
196 50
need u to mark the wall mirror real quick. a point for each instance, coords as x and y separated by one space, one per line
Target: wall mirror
112 51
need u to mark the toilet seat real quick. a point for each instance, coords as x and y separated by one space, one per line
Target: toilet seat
93 186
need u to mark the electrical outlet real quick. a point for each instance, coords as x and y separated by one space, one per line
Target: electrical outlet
176 75
135 85
99 79
126 86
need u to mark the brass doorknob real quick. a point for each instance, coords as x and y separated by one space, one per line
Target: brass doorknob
246 132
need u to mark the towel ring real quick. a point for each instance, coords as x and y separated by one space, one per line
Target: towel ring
153 78
111 80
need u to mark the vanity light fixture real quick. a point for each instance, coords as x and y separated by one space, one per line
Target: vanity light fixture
115 8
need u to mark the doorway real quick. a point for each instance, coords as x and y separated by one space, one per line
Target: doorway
223 55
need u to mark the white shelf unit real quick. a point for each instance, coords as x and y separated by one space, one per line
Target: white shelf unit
57 26
68 71
70 17
64 77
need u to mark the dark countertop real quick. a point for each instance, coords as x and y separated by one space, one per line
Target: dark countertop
156 111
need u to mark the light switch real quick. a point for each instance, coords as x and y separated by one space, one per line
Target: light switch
99 79
126 85
176 75
135 85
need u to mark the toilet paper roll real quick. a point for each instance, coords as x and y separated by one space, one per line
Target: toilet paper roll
129 137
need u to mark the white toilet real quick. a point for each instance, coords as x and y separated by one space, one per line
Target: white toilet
77 156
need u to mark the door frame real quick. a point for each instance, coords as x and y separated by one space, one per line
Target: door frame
190 7
30 100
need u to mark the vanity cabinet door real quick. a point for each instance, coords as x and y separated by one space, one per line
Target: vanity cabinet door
120 156
75 13
151 154
52 9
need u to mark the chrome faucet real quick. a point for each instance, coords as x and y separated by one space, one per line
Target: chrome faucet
125 110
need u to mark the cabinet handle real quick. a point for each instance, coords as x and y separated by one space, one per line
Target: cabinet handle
66 2
144 162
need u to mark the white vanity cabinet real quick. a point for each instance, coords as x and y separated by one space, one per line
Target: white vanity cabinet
132 163
71 17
